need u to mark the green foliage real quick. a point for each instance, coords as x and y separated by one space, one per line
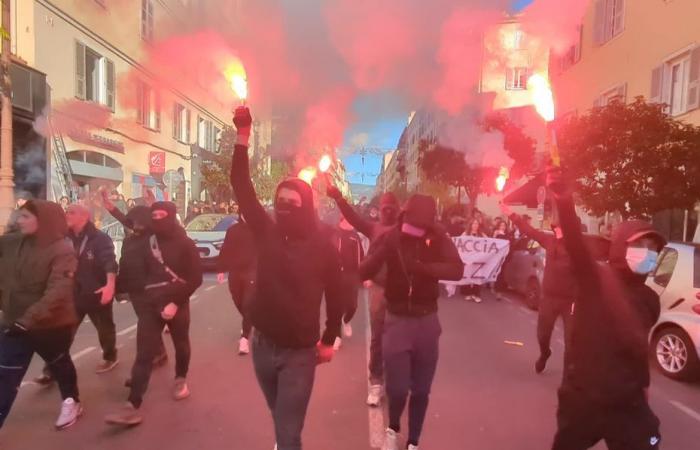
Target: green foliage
216 172
632 158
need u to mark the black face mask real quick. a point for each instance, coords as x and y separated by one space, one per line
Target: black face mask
164 227
388 216
290 219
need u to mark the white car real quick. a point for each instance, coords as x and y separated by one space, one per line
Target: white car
675 339
208 232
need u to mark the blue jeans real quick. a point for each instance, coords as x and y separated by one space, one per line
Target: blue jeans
286 377
16 353
411 350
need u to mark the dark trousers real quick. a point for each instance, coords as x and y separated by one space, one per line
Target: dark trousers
377 314
149 345
550 309
351 288
102 317
16 354
242 288
411 350
286 377
581 424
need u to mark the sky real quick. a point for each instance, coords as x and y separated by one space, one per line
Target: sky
382 134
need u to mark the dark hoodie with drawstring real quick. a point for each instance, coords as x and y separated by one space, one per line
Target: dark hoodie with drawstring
296 265
135 254
414 265
614 313
37 272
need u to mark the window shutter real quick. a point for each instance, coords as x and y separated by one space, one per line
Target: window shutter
599 30
156 111
618 24
693 100
140 100
80 71
510 81
621 93
187 125
109 83
657 83
176 121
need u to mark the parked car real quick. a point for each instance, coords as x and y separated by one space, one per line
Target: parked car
208 232
675 339
524 268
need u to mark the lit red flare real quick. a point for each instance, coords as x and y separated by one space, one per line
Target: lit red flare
502 179
325 163
307 174
542 96
239 83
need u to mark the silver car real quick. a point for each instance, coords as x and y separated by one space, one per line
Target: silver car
208 232
675 339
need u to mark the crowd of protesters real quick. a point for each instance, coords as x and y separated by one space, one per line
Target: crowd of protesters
282 266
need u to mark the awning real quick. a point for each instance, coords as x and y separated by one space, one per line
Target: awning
527 193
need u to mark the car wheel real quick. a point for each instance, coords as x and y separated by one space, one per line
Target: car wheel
674 354
533 294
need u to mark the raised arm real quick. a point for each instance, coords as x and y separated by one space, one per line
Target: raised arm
376 257
114 211
358 223
241 181
538 235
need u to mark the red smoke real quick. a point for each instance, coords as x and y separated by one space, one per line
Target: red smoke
556 22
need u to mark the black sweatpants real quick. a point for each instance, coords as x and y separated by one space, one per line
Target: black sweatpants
550 309
242 288
581 424
351 289
102 317
149 344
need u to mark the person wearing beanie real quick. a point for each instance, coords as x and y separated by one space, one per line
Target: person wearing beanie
388 216
417 255
173 274
297 267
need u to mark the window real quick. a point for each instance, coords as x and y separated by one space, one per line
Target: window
94 76
181 123
616 93
147 20
609 20
518 40
148 110
667 263
208 135
516 78
676 83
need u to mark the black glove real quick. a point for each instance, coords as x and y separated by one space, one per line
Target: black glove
333 192
16 329
242 120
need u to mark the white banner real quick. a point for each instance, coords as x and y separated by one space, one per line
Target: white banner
483 259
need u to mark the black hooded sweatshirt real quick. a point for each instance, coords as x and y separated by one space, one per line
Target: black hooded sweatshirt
135 254
297 265
614 313
238 255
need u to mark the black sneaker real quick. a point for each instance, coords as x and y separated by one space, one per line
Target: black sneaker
542 361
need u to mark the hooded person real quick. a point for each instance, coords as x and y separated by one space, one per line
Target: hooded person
417 254
238 258
603 395
389 209
172 274
37 268
297 266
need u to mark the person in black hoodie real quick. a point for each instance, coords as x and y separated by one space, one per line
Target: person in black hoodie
558 286
297 265
417 254
173 274
603 395
238 258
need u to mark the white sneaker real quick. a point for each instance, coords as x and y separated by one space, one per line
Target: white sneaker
374 398
337 344
391 440
70 411
347 330
243 346
477 299
412 447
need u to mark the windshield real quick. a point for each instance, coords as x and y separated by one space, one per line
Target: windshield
211 222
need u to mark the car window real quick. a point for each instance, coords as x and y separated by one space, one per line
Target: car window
667 263
225 223
696 270
208 222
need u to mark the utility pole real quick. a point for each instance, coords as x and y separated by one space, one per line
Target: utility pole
7 196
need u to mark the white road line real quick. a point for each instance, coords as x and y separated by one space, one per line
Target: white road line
81 353
127 330
375 415
210 288
689 411
27 383
194 297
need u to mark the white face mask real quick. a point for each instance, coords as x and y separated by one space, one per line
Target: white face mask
641 261
413 231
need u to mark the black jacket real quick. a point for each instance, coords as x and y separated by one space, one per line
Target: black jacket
96 258
238 254
350 249
293 274
613 316
135 254
414 268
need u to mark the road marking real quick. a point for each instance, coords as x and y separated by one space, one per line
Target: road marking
689 411
81 353
210 288
374 415
194 297
127 330
28 383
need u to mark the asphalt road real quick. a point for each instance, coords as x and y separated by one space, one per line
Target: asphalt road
486 395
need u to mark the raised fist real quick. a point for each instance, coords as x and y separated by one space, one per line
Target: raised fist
333 192
242 120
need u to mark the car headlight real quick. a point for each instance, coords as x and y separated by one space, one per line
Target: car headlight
218 245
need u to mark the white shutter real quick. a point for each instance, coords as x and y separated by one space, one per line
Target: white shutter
618 20
109 83
657 84
599 22
140 101
187 126
80 71
156 110
176 121
693 98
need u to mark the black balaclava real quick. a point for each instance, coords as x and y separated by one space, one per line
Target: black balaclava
296 221
139 218
167 226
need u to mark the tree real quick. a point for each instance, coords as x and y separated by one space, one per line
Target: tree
518 145
266 183
215 170
632 158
